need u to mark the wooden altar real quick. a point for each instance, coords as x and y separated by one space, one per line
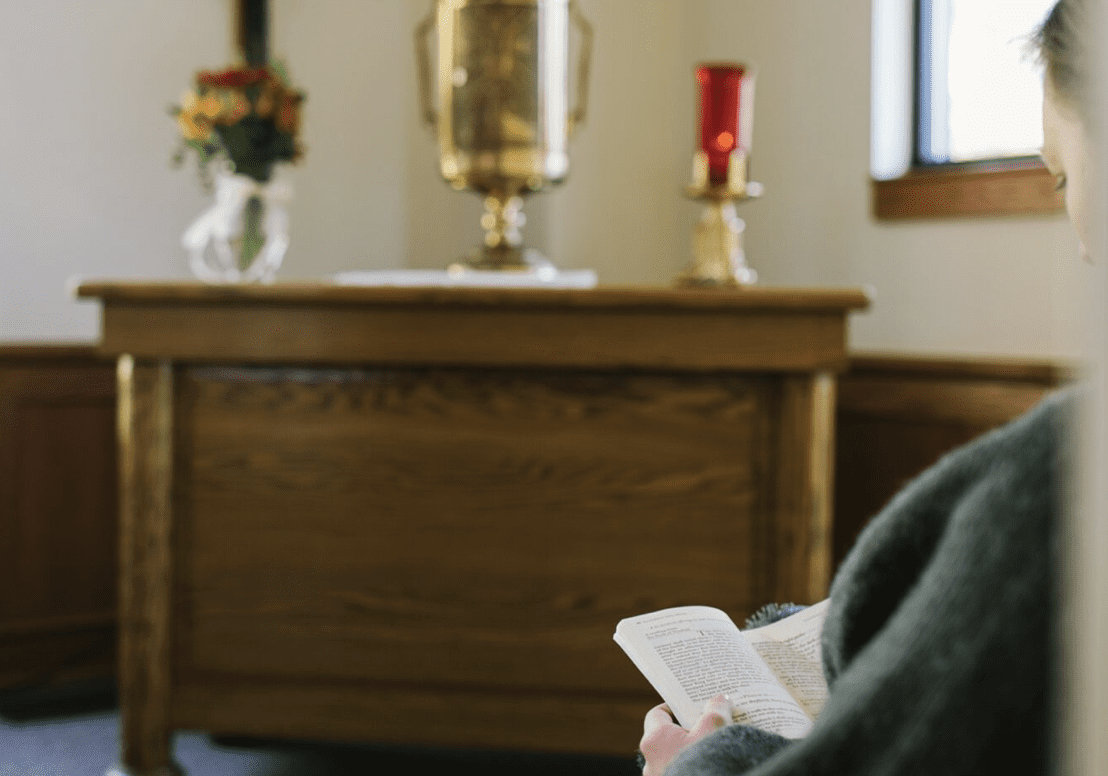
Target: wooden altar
416 515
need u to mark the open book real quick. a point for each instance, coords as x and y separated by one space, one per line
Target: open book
773 674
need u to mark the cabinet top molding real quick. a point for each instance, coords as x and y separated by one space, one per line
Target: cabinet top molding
327 294
749 330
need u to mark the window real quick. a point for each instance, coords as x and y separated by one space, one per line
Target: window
977 114
980 91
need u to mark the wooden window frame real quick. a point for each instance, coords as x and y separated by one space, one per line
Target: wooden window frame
975 189
996 187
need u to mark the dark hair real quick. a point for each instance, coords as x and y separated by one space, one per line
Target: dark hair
1063 48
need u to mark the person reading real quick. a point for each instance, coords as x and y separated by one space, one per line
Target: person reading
939 640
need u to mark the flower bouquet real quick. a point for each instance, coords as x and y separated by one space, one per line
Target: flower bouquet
246 121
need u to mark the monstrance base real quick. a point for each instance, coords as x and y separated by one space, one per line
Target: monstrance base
506 259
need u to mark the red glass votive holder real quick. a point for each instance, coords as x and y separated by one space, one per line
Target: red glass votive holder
721 126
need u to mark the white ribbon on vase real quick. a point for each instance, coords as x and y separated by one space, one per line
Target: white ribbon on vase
223 221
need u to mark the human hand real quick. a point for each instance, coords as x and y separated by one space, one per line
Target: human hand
663 738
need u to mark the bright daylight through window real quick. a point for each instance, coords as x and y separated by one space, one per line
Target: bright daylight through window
980 89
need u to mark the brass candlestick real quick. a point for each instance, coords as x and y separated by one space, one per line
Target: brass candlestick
718 255
719 176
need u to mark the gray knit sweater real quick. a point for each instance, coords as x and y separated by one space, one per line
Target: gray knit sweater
939 639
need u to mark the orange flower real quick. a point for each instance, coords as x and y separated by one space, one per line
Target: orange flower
267 100
288 117
210 106
193 126
234 107
190 119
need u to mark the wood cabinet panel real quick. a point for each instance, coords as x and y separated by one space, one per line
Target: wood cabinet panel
508 515
399 714
897 415
58 496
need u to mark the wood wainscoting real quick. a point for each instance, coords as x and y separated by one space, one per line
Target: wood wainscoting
58 480
897 415
58 505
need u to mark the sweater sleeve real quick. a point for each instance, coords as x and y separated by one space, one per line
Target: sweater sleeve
939 637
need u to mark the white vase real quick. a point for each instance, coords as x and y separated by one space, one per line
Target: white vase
243 236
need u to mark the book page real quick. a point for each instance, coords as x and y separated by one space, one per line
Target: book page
692 653
791 648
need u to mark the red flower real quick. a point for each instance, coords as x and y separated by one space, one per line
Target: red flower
233 78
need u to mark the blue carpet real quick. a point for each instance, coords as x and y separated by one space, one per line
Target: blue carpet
74 731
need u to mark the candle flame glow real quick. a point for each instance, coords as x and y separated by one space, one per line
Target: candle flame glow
725 141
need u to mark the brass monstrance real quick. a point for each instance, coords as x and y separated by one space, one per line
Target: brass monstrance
503 120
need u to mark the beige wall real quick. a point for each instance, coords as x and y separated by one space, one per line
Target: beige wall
85 143
353 59
89 190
